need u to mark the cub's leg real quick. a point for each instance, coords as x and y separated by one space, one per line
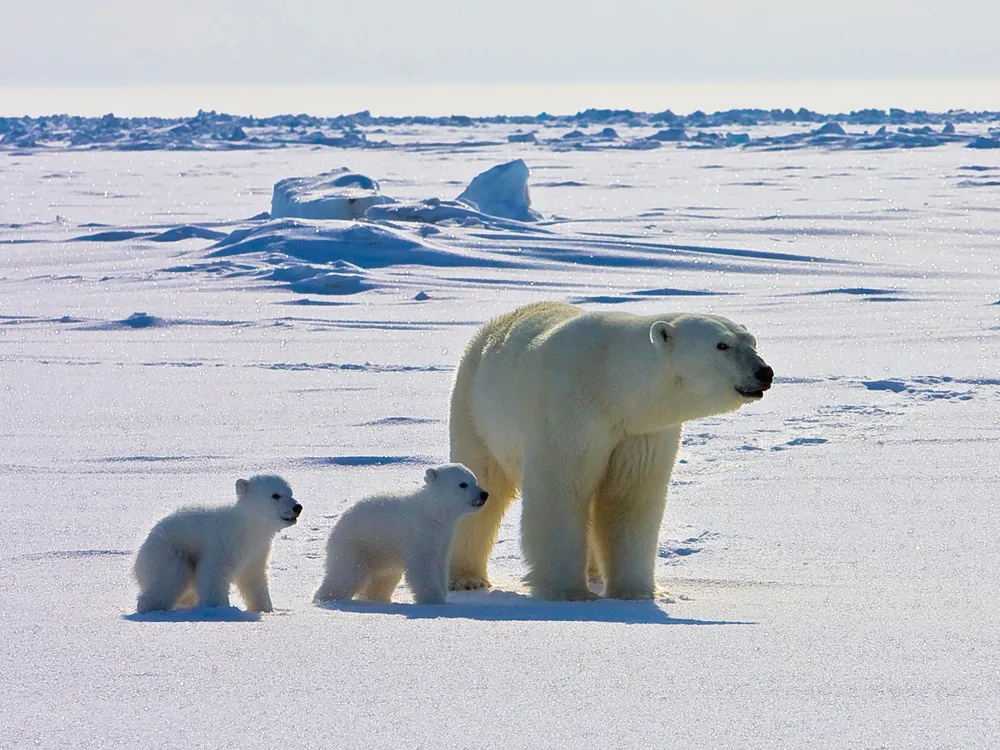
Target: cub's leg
346 574
381 585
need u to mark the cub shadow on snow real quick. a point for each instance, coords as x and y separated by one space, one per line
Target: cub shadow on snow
508 606
72 554
196 614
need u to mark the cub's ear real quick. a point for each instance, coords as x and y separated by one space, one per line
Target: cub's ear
662 333
431 476
242 488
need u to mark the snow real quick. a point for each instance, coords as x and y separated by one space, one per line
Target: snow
829 554
338 194
502 191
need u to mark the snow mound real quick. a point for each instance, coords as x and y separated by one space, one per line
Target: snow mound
187 232
502 191
830 128
333 282
670 134
520 137
338 194
437 211
337 278
135 321
984 142
363 244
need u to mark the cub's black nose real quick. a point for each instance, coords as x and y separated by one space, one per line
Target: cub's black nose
296 508
765 375
483 495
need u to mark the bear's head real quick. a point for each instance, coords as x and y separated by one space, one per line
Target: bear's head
457 487
710 365
268 497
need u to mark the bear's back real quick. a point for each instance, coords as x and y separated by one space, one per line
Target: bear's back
191 529
385 524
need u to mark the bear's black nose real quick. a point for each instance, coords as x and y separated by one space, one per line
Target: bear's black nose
765 375
297 508
483 495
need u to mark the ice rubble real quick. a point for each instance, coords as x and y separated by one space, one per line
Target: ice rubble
588 130
338 194
502 191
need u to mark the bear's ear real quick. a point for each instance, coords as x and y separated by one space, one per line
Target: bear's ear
431 476
661 333
242 488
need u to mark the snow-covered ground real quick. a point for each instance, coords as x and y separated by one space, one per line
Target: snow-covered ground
830 553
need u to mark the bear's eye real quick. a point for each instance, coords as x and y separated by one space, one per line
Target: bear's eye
463 485
722 346
275 496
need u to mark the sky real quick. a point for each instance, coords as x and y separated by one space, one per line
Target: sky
222 42
397 57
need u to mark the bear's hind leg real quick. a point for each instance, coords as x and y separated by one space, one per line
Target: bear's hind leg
381 585
628 511
594 574
162 582
476 533
188 598
346 574
212 580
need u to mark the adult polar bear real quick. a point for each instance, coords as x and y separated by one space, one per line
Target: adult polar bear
582 412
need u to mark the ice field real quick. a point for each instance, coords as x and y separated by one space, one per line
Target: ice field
829 554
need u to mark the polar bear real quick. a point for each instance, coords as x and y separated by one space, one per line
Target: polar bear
195 553
582 412
380 538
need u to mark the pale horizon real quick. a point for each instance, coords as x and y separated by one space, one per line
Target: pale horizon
827 97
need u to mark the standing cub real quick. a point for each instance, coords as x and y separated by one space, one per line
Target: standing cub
194 554
380 538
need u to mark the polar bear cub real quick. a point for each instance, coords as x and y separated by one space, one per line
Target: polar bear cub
194 554
378 540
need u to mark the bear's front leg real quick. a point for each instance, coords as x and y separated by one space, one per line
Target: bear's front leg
211 579
252 585
628 512
427 572
558 486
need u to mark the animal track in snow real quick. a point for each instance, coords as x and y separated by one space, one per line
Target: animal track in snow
931 388
673 550
799 441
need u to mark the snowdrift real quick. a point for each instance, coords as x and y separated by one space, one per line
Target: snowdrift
363 244
338 194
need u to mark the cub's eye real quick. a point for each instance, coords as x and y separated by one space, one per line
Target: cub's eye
275 496
463 485
722 346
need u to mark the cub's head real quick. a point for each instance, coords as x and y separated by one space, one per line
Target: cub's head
712 364
457 487
268 496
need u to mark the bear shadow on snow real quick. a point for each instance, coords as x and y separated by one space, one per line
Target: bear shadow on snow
508 606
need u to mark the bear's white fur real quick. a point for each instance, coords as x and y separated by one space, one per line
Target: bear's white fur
582 412
378 540
194 554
